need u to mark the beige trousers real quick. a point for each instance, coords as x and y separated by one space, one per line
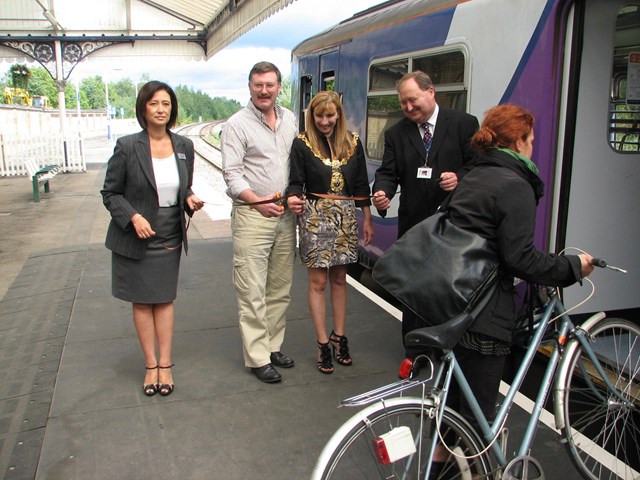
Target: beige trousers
263 256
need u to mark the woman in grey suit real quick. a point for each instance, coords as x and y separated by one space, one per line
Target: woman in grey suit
147 190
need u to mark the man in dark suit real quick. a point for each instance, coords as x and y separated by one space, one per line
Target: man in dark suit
423 154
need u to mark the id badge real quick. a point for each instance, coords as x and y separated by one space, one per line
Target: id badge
424 172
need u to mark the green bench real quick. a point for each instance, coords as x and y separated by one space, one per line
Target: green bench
40 175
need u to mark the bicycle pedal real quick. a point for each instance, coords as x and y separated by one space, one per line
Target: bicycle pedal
394 445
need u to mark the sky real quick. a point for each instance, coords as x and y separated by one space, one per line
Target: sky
225 74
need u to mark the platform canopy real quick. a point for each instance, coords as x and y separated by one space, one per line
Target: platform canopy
61 33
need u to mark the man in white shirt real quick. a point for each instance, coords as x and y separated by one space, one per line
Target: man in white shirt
256 142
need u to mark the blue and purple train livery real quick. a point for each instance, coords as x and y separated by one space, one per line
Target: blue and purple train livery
574 63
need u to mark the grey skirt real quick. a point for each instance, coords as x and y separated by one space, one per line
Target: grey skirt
154 278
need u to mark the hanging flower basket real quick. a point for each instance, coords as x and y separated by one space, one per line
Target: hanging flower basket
20 75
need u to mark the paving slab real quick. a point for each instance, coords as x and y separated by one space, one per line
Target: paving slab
71 400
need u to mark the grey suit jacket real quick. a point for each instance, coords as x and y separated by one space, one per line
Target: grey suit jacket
404 152
130 188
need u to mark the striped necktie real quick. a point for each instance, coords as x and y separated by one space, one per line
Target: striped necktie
427 137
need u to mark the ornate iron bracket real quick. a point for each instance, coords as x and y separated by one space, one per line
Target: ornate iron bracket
73 51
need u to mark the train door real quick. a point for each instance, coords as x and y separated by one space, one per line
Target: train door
316 74
328 69
599 199
306 93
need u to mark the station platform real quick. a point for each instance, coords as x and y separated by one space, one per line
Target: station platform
71 400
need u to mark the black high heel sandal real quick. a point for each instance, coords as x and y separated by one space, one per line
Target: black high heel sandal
150 389
340 346
165 389
324 363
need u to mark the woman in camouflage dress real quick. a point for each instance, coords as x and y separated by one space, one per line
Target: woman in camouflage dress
328 168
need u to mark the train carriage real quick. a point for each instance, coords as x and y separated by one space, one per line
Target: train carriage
574 63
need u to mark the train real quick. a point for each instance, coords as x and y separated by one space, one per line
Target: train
575 64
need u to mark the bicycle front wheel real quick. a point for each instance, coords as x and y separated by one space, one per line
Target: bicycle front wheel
602 432
351 452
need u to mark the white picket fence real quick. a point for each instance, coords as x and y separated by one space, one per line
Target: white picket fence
67 153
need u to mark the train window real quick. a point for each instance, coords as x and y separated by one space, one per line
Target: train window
447 70
382 112
384 76
328 81
624 112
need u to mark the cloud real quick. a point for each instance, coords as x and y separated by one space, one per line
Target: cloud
225 74
302 19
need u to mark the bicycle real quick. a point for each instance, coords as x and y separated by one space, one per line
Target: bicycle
595 372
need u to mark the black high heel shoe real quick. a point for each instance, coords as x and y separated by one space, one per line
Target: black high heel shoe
165 389
324 363
150 389
340 346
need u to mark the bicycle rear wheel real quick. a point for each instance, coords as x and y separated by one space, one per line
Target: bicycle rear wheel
602 433
350 453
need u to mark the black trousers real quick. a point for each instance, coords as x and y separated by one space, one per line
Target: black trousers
410 322
484 373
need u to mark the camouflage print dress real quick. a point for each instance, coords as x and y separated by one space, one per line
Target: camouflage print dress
328 233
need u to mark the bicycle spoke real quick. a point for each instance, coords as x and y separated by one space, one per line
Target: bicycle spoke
353 456
602 426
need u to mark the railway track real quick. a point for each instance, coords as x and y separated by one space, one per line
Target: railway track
198 133
208 183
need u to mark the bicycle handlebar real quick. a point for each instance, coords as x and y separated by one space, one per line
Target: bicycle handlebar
602 263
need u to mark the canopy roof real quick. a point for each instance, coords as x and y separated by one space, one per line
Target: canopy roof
71 30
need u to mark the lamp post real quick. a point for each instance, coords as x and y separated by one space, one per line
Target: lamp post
78 106
106 94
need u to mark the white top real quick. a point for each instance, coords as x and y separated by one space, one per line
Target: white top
167 180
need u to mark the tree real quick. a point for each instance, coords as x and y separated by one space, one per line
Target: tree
94 98
122 96
41 83
197 105
284 98
193 105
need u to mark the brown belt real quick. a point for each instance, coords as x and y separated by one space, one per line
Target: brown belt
278 198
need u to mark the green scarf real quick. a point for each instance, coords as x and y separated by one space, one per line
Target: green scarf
530 165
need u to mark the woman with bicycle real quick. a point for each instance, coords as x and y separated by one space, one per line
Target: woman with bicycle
497 199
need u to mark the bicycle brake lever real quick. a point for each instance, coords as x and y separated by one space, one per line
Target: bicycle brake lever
617 269
602 263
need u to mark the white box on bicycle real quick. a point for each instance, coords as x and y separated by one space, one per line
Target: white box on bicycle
394 445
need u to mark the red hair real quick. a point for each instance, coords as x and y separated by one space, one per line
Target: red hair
502 127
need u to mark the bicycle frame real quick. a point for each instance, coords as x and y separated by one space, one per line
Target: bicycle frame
565 340
565 328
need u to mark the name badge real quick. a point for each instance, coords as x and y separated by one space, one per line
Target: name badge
424 172
182 156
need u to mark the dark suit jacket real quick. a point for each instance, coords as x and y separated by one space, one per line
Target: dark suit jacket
404 153
130 188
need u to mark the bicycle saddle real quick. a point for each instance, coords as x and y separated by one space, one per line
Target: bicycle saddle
444 336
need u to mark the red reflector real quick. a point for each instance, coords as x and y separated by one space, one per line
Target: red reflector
381 451
405 368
